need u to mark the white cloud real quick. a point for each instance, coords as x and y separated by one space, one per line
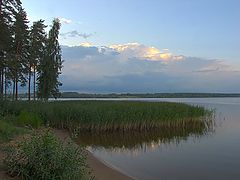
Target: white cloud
73 34
145 52
134 67
65 20
86 44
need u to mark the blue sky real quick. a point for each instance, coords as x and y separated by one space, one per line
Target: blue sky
205 29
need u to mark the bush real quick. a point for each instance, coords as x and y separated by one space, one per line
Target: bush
29 119
8 131
45 157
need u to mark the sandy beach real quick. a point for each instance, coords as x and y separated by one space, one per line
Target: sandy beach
99 169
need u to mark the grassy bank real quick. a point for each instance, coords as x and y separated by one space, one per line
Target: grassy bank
107 116
89 118
28 151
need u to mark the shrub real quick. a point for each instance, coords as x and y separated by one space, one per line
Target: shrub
45 157
29 119
8 131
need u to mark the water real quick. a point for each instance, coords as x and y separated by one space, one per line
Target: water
179 155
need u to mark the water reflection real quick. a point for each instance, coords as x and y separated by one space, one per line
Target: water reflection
143 141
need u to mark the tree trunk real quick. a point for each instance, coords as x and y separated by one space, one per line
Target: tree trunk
16 88
29 85
0 6
16 95
6 86
13 90
1 84
34 83
2 81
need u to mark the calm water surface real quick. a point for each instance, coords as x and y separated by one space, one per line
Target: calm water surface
182 155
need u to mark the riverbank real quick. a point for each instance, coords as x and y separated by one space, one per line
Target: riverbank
98 169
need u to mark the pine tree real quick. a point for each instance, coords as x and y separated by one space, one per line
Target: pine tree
50 66
37 45
7 10
21 51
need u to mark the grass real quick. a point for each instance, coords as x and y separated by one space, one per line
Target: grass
41 156
108 116
8 131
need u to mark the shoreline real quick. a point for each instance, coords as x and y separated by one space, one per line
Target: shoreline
102 171
99 169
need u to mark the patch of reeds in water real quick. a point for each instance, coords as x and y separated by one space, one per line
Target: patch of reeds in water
147 138
111 116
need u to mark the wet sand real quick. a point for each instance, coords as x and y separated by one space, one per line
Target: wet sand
99 169
102 171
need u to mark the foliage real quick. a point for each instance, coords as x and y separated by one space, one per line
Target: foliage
19 53
45 157
23 50
8 130
29 119
37 46
50 66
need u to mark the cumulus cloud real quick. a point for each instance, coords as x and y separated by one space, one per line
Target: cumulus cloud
144 52
65 20
75 33
134 67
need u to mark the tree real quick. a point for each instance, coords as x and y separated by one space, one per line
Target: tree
51 65
7 11
37 45
21 50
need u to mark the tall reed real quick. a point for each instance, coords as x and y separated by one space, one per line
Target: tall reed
110 116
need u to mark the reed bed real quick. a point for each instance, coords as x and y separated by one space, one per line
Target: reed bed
109 116
136 139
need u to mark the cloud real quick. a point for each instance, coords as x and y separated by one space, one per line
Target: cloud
65 21
134 67
217 67
145 52
75 33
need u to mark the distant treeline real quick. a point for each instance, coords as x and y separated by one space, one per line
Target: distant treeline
146 95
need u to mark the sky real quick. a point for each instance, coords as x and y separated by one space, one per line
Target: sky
146 45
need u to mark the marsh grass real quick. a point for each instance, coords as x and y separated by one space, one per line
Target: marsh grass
29 119
8 131
109 116
138 139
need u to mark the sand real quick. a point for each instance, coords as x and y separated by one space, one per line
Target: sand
100 170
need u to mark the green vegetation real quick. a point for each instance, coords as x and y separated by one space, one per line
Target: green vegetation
45 157
8 131
28 51
29 119
32 154
108 115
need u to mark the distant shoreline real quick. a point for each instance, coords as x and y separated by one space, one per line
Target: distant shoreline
144 95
